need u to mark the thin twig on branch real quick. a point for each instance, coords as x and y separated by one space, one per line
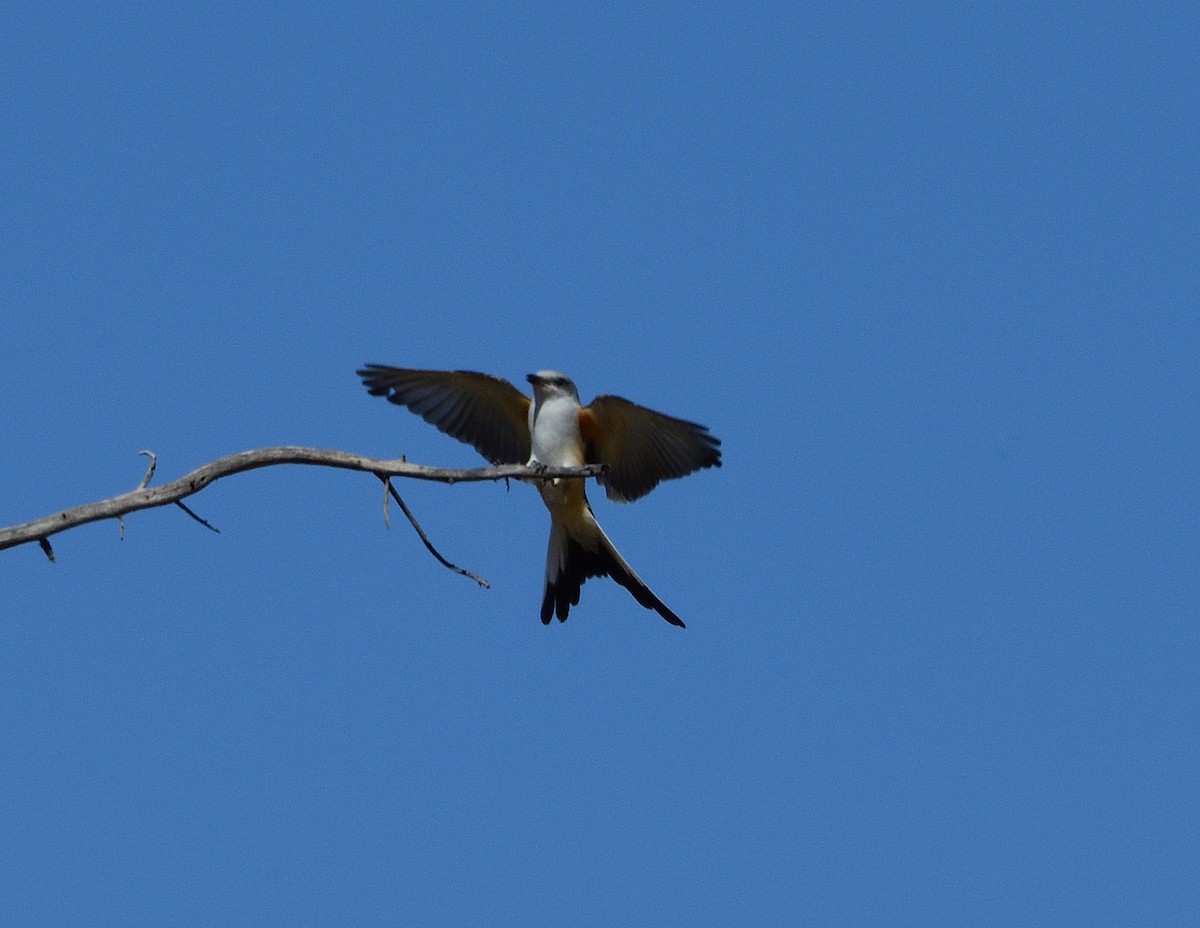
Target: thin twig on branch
147 497
389 489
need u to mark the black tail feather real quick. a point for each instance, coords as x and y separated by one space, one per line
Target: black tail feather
579 565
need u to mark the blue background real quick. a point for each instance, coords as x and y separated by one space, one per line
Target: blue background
929 271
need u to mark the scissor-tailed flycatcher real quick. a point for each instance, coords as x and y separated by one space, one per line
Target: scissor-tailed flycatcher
640 446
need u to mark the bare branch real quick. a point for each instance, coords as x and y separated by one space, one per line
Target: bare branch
146 497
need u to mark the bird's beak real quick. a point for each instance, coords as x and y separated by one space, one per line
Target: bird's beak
533 379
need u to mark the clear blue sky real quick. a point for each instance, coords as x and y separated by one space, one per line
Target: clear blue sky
928 270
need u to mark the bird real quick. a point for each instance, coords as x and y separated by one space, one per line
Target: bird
641 447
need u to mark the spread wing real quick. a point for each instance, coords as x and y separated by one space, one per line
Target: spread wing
643 447
486 412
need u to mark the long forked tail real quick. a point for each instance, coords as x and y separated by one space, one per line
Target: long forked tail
569 563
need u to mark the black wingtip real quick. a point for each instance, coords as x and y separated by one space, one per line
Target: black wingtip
371 375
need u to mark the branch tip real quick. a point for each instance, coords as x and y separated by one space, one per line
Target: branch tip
210 527
150 470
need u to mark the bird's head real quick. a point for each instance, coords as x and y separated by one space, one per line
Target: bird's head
547 384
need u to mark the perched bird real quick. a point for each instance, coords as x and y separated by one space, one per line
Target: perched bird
640 446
